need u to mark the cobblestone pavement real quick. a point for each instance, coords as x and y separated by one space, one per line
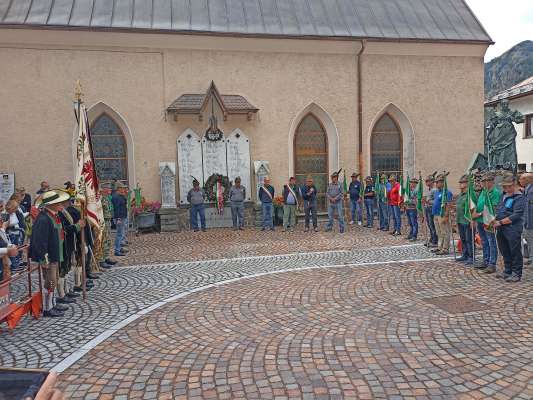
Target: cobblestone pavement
226 243
415 330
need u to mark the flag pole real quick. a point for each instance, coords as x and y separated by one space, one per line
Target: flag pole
78 95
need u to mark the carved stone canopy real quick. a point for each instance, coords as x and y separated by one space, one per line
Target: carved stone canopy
196 104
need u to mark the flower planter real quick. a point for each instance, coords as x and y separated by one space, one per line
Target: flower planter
146 221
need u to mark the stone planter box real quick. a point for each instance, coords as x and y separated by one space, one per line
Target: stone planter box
146 221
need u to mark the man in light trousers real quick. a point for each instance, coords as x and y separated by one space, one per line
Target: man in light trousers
334 195
237 195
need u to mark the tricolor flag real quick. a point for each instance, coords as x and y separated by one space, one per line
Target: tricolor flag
420 195
87 191
470 199
362 188
489 216
444 198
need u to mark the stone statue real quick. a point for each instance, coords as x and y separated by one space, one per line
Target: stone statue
501 137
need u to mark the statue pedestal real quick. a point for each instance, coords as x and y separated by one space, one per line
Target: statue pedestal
169 219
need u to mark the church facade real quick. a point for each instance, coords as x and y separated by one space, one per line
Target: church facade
312 87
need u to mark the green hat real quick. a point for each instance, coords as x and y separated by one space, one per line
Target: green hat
488 176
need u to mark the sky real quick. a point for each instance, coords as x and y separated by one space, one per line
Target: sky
508 22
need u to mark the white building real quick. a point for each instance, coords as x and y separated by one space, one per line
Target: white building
520 98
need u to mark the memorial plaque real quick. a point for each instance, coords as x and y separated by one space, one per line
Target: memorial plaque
7 186
189 162
262 170
238 156
214 157
215 220
167 171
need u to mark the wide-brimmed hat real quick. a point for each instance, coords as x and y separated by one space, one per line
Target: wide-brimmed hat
488 176
335 174
463 179
120 185
440 178
413 180
392 177
52 197
354 175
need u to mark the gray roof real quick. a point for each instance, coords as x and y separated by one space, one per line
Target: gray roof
524 88
448 20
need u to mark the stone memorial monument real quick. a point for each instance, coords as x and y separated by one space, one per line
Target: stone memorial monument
238 159
262 169
189 162
167 172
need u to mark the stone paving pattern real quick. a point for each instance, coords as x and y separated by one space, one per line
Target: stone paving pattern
354 332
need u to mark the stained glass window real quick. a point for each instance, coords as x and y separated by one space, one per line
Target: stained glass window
109 148
386 146
311 156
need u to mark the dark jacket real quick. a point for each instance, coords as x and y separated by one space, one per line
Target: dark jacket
265 198
44 239
25 204
286 193
512 207
528 210
120 206
71 233
309 195
354 189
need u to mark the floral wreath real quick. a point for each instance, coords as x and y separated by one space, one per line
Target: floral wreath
210 187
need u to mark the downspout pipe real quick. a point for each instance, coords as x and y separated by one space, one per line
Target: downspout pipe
360 106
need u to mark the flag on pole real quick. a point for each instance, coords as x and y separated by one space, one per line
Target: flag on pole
377 186
220 195
489 216
470 199
361 188
406 191
87 190
345 183
420 195
138 196
444 198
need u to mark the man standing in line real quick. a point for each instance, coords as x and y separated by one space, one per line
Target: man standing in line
334 195
107 209
120 213
509 224
526 181
383 206
310 204
355 201
44 188
441 215
369 197
196 197
266 195
411 211
428 211
237 195
290 204
46 248
463 225
395 200
488 236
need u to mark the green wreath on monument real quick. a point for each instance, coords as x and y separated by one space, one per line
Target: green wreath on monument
211 186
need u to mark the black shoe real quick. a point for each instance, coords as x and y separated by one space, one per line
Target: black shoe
105 265
52 314
196 230
109 261
73 295
121 254
90 275
481 266
204 230
60 307
409 237
65 300
79 289
461 259
241 228
513 278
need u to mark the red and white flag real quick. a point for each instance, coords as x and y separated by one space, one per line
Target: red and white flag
87 190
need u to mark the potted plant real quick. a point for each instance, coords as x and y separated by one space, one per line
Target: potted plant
145 214
277 202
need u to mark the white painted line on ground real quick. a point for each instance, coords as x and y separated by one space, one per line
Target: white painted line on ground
303 253
74 357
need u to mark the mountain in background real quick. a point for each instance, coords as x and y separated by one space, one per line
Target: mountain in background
510 68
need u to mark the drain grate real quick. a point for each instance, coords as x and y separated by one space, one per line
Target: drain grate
456 304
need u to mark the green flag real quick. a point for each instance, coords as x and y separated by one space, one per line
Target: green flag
420 195
138 197
470 199
407 189
444 198
488 212
362 188
377 186
344 183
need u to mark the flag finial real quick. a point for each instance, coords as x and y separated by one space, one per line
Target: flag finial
78 93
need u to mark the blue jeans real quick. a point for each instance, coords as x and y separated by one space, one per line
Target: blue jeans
490 249
383 211
267 209
356 207
17 238
433 238
465 233
197 209
340 212
509 238
369 206
396 217
120 225
412 217
237 214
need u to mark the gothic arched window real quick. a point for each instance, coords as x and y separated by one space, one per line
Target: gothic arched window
386 146
311 155
109 148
